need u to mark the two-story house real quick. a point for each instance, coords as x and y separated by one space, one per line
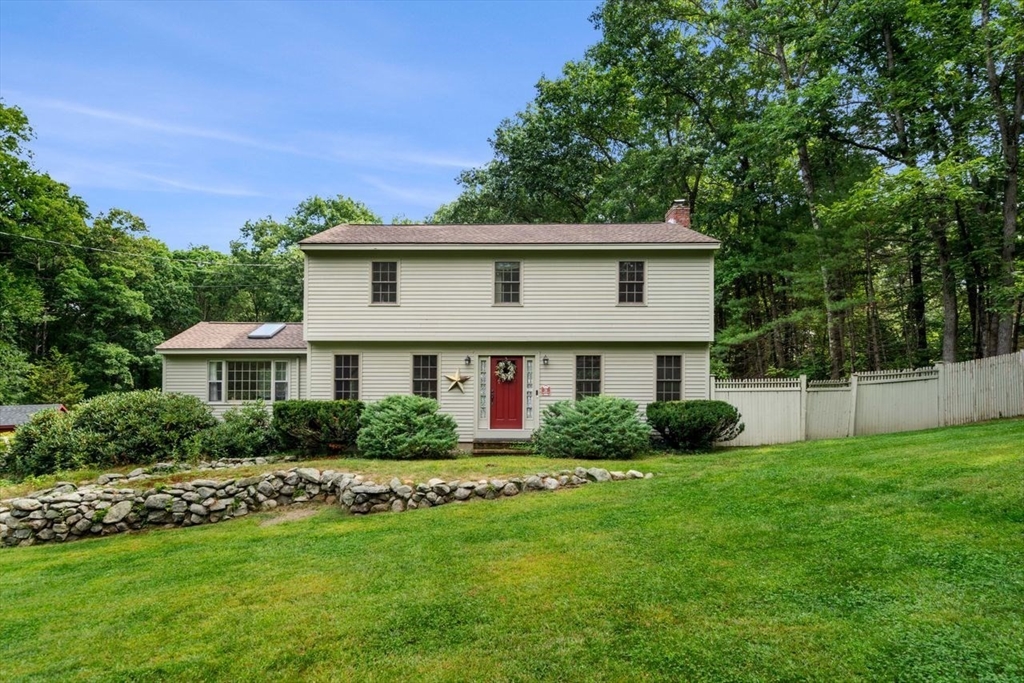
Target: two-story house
493 321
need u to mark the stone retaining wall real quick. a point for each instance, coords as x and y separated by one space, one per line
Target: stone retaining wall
68 512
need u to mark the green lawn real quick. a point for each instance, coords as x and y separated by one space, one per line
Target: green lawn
895 558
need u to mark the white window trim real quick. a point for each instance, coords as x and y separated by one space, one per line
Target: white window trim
494 282
618 281
398 283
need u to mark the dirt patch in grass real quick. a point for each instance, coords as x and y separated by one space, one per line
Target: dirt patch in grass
290 516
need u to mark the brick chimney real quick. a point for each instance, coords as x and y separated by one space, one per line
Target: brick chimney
679 213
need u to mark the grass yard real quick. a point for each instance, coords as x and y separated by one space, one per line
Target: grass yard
896 558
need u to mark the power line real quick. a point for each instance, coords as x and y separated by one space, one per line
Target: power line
155 256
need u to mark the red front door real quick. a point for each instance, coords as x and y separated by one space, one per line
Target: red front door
507 396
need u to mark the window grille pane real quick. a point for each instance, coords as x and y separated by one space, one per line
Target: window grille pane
346 377
506 282
424 376
669 378
384 282
588 376
249 380
631 282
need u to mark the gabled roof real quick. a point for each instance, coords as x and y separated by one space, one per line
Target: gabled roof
13 416
221 336
557 234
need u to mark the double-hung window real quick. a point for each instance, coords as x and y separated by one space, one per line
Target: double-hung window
384 282
631 282
216 380
588 376
507 282
346 376
280 380
424 376
669 379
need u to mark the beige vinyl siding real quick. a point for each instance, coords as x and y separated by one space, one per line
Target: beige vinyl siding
187 374
628 371
566 295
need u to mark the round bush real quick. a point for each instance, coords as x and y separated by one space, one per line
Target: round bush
694 425
139 427
46 443
245 432
406 428
596 427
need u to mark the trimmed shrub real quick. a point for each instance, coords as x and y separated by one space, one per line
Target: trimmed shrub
317 426
46 443
139 427
694 425
406 428
596 427
245 432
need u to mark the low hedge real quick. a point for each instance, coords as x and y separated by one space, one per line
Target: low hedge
694 425
138 427
129 428
245 432
596 427
317 426
406 428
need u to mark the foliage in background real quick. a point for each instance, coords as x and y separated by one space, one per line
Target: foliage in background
317 426
862 174
53 380
244 432
694 426
406 428
595 427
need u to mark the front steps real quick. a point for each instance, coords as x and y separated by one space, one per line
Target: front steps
501 447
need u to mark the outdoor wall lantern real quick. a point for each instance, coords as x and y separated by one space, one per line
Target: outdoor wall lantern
544 360
469 361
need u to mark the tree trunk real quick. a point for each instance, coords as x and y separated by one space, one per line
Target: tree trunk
916 308
949 309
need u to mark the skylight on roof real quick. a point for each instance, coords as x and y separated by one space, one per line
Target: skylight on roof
266 331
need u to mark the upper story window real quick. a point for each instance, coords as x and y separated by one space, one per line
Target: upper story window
424 376
346 377
248 380
384 282
670 379
588 376
631 282
507 282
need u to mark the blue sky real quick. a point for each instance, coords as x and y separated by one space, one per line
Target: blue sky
199 116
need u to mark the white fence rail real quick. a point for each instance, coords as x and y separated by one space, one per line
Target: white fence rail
786 410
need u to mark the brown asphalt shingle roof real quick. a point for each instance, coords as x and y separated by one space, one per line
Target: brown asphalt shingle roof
219 336
554 234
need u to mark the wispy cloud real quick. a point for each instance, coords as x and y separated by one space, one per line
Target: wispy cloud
365 150
160 126
82 173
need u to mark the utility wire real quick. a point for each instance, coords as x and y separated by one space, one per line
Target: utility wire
163 258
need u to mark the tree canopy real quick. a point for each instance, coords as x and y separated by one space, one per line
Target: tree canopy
859 161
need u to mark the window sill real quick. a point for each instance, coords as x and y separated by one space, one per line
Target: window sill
519 305
639 304
384 305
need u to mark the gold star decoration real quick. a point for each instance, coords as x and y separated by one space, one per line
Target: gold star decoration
457 379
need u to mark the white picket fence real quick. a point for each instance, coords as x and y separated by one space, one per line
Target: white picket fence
787 410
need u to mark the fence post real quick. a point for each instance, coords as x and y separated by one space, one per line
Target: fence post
941 402
852 429
803 407
711 387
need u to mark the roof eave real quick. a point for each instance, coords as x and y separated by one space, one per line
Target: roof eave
462 246
290 351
